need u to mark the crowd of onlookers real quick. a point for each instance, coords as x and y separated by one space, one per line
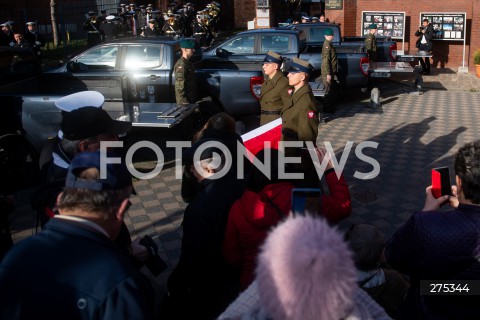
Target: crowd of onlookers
30 38
244 253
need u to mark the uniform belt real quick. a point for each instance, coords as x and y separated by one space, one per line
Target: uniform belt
273 112
289 133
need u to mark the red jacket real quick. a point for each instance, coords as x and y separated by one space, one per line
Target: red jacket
252 216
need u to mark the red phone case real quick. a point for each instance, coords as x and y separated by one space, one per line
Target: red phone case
436 184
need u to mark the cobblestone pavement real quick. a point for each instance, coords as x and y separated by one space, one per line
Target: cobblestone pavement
414 132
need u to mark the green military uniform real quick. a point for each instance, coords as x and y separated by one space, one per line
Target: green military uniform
329 60
371 44
329 67
274 91
185 81
299 116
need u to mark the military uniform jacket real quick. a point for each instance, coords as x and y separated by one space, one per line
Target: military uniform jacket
299 116
329 59
371 47
274 92
185 81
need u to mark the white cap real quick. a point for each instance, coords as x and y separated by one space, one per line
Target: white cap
110 17
79 100
30 23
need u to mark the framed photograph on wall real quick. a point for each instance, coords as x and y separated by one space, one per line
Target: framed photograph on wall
447 25
391 24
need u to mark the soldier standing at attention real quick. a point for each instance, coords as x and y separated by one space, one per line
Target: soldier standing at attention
300 122
274 89
299 114
371 43
34 39
185 81
329 70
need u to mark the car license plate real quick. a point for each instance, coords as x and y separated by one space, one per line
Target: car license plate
380 74
406 59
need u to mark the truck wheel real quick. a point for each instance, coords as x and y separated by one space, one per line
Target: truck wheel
18 163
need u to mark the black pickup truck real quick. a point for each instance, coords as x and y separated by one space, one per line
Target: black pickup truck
135 76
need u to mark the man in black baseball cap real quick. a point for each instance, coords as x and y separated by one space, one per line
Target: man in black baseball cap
72 269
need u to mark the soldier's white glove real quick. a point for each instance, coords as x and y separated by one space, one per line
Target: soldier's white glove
38 43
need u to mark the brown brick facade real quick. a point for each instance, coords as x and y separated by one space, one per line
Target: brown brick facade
447 54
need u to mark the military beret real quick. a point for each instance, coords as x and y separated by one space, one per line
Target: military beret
372 26
299 65
187 43
328 32
272 57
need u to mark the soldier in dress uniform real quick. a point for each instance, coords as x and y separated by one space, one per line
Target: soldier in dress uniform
92 26
109 29
371 43
300 122
185 81
34 39
329 70
6 36
170 27
299 114
274 88
142 18
152 29
200 31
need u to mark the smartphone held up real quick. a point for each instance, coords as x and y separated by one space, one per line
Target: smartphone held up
441 185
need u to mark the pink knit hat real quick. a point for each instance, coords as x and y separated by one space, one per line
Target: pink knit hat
305 271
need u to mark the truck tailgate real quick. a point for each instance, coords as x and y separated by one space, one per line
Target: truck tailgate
159 115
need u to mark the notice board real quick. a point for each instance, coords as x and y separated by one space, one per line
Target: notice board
389 24
333 4
447 25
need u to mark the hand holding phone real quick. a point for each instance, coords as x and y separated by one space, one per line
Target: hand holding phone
306 200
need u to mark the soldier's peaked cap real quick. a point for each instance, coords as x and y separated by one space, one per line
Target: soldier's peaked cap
299 65
152 21
328 32
372 26
272 57
30 23
91 13
187 44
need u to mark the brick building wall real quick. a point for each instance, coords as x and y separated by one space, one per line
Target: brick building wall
447 54
244 11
